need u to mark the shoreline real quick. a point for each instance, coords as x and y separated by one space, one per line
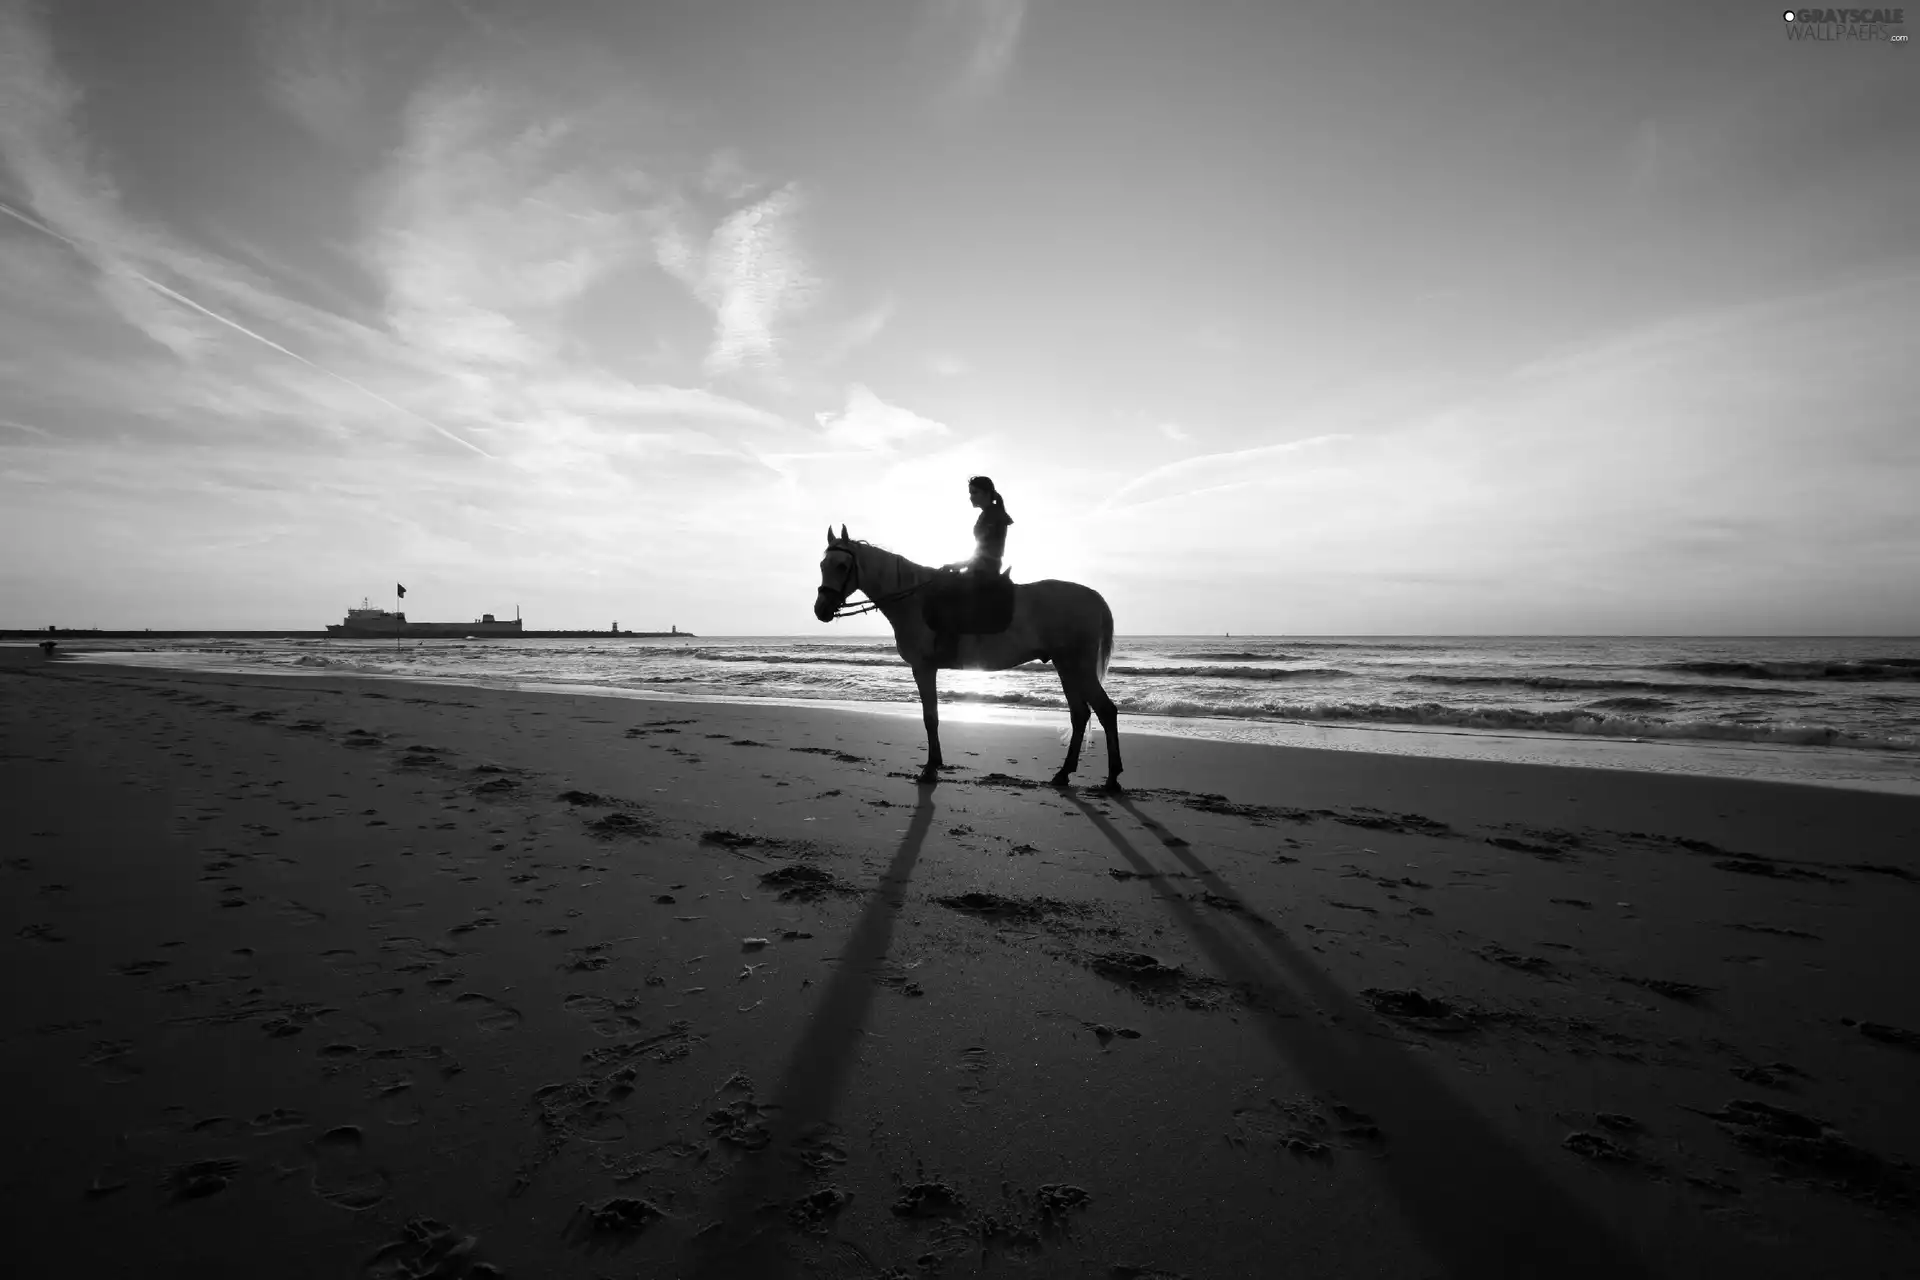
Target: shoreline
333 969
1842 768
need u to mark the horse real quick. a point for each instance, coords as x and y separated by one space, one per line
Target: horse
1059 622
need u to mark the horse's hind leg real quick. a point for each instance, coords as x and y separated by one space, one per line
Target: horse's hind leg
1077 713
1110 721
1073 683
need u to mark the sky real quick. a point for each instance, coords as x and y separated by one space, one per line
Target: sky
1368 318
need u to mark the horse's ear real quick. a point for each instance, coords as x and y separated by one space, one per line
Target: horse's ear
843 534
829 535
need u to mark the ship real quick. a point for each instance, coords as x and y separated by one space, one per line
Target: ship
366 623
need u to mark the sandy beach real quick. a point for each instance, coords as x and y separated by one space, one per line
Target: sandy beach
342 977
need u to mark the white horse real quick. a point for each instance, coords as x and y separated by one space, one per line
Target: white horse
1059 622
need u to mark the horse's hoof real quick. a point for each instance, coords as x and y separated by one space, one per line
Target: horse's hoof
1061 779
1112 787
928 775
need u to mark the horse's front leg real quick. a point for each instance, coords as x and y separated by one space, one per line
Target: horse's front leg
927 677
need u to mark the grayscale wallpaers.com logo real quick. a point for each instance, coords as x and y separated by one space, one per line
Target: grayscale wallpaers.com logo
1847 24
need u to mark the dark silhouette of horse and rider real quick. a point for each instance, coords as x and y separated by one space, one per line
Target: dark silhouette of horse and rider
971 615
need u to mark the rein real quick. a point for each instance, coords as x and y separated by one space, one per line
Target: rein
845 610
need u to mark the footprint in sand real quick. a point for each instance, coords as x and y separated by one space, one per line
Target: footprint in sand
200 1178
140 968
603 1015
343 961
974 1063
493 1015
429 1249
341 1174
393 1099
297 913
278 1120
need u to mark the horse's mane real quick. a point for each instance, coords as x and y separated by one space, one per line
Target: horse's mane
875 546
871 546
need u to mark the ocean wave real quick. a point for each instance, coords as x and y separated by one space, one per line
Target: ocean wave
1243 655
1565 682
790 659
1632 704
1013 699
871 646
1400 646
1864 669
345 666
1574 721
1230 673
1583 722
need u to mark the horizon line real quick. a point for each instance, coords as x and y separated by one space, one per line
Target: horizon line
1133 635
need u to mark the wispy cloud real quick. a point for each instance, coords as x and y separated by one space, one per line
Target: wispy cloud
1700 449
1207 473
749 272
75 204
182 299
988 33
870 423
496 216
485 230
46 155
1174 431
756 277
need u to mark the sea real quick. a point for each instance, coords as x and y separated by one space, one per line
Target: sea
1817 710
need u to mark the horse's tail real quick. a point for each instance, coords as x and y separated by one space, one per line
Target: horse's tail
1106 637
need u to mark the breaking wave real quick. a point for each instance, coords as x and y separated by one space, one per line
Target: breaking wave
790 659
1586 721
1865 669
1402 646
1564 682
1632 704
1230 673
1590 721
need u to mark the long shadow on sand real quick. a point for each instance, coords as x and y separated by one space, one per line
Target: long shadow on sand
1477 1204
749 1239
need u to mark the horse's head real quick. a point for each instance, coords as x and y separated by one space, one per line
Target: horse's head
839 575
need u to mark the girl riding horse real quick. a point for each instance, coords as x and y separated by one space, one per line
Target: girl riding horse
990 544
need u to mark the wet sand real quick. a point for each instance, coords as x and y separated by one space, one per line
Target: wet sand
336 977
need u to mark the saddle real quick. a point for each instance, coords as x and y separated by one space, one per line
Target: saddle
962 604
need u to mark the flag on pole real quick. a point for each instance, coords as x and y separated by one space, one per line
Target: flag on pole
400 590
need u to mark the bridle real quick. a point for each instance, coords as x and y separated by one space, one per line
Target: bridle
843 609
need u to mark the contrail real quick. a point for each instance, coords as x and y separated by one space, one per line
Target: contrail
177 296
